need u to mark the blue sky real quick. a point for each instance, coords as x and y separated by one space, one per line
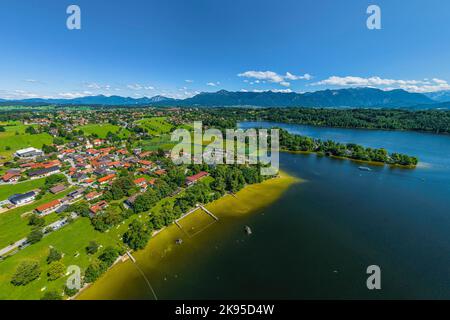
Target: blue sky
181 47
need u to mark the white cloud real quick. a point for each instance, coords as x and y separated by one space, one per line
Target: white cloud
410 85
135 86
189 81
282 90
97 86
213 84
273 77
72 95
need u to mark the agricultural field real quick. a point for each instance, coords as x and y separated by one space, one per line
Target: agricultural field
101 130
15 138
155 126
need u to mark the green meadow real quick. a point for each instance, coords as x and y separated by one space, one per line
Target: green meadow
156 125
101 130
7 190
15 138
14 224
71 240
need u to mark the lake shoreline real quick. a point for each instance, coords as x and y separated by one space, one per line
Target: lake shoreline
281 182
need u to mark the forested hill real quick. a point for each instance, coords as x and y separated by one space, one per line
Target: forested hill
351 97
436 121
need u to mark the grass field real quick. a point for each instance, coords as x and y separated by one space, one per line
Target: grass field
155 126
70 240
160 142
15 227
15 138
7 190
102 130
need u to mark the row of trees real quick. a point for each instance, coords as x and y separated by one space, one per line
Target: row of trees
226 179
293 142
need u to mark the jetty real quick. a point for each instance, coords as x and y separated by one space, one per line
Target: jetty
208 212
131 256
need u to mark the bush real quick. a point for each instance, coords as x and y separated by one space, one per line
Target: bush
70 292
54 255
36 220
51 295
35 236
92 247
56 270
26 272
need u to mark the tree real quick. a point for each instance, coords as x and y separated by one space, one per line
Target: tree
31 130
26 272
51 295
58 141
137 235
109 255
36 220
56 270
94 271
52 180
92 247
70 292
35 236
81 208
49 149
54 255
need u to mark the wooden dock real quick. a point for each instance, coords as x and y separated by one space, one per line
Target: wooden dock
209 212
131 257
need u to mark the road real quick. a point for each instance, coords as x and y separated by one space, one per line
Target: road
55 226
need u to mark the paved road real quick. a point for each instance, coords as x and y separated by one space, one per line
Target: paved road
12 246
55 226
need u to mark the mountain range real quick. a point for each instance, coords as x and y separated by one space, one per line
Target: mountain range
351 97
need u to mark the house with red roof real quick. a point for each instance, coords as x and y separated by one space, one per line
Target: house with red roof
146 163
140 181
98 207
48 207
193 179
160 172
98 142
105 179
93 195
11 177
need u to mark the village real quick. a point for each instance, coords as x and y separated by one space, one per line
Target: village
82 185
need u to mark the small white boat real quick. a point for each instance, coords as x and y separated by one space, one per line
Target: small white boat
364 169
248 230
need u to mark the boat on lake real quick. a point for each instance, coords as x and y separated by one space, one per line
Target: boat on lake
364 169
248 230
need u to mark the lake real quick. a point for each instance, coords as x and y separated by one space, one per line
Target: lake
318 238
